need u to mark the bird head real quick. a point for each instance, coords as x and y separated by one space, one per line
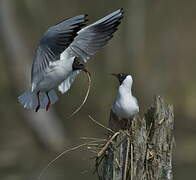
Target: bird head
122 76
79 65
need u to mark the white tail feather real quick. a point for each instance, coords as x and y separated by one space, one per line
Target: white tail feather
30 101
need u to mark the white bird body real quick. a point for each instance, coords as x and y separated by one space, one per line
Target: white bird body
55 73
125 105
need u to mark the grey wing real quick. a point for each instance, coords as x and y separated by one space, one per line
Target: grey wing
93 37
54 41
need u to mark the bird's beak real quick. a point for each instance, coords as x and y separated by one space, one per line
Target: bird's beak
86 71
115 75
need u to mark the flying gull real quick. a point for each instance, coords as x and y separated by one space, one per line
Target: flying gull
61 56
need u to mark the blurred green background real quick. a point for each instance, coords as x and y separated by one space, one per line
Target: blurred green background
156 43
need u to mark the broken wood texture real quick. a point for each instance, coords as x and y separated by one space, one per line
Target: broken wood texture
144 150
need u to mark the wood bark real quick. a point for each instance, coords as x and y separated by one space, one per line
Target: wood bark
144 151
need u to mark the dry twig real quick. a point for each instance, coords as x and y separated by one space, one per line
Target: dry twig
65 152
100 124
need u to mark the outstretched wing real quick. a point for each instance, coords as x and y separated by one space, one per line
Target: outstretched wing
93 37
90 39
54 41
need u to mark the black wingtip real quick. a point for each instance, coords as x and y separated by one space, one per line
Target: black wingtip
122 12
119 13
85 18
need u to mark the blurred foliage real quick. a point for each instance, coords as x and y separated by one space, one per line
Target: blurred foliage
156 43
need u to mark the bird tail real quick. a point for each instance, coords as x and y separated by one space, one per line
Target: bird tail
29 99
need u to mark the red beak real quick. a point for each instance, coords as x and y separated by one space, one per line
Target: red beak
86 71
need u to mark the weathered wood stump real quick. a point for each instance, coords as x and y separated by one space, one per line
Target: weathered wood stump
144 150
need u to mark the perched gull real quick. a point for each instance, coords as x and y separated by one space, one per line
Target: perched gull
125 105
61 54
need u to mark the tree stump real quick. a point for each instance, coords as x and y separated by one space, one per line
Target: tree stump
144 150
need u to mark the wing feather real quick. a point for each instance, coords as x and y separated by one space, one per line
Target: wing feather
54 41
89 40
66 84
93 37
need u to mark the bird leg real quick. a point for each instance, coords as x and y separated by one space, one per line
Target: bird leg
38 106
49 102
